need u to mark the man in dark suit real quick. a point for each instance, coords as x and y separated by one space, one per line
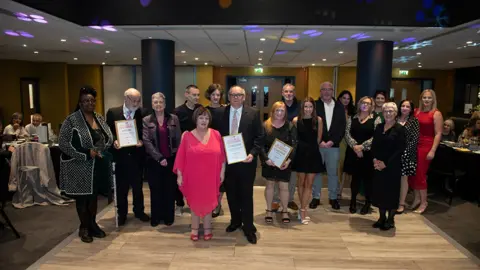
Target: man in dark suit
128 160
334 121
239 177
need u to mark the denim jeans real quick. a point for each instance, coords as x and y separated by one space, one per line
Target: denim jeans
330 157
291 189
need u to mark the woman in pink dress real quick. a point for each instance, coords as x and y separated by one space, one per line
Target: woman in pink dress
431 125
200 167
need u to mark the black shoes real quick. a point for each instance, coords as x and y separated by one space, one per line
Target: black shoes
251 238
122 220
314 203
389 224
216 211
292 205
378 224
353 207
143 217
335 204
96 232
365 209
232 228
85 235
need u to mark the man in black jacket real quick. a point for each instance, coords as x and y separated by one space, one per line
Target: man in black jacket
129 161
334 121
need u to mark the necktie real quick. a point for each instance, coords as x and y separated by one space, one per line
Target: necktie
234 123
129 115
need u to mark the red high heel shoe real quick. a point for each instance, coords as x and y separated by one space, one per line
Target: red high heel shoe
194 237
209 236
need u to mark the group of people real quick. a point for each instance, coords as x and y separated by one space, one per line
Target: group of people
386 149
16 127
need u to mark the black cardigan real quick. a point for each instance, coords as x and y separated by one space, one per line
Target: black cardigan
338 125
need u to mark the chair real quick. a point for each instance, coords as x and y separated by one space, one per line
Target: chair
444 165
4 194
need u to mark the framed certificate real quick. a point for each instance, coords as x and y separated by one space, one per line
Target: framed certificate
279 152
126 133
235 148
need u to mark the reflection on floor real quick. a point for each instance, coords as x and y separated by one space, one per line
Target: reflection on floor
333 240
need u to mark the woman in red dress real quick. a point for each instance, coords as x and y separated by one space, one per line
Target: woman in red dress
200 167
431 124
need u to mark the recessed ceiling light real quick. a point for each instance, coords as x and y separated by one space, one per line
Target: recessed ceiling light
183 51
75 59
419 53
35 52
259 59
24 45
469 42
260 51
419 63
324 59
381 39
107 51
150 37
450 62
262 39
63 40
340 52
134 58
313 64
103 63
395 48
206 63
419 66
196 58
259 64
184 62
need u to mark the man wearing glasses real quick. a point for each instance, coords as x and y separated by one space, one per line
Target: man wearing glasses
239 177
334 122
128 160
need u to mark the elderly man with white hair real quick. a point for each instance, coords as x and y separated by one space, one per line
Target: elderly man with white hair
129 161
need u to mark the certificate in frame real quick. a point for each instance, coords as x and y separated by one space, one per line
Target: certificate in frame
279 152
234 148
127 134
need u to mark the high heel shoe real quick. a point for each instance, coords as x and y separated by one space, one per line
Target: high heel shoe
208 236
269 220
398 212
305 220
415 205
421 209
285 220
194 237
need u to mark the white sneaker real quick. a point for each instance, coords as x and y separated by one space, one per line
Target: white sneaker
178 211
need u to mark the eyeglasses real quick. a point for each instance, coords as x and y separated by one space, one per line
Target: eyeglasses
389 112
236 95
326 89
366 104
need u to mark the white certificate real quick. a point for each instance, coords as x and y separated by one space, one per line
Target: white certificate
126 133
279 152
235 148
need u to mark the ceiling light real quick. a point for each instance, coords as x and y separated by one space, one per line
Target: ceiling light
419 63
35 52
259 59
260 51
419 53
259 64
313 64
184 62
206 63
75 59
419 66
196 58
150 37
469 42
395 48
107 51
24 45
135 58
381 39
450 62
262 39
63 40
183 51
340 52
103 63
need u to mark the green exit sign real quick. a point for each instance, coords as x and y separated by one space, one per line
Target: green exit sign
403 72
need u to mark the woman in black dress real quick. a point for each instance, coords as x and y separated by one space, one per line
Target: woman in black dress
308 161
214 93
409 156
277 127
85 163
387 148
346 98
358 158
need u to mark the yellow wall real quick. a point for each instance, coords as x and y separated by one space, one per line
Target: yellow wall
204 77
316 76
347 80
82 75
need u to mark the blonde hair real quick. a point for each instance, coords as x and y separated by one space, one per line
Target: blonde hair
434 98
372 104
275 106
390 105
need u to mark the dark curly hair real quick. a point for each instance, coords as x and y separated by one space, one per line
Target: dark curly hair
211 88
350 107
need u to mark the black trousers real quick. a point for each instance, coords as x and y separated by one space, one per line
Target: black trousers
362 173
162 182
128 173
238 183
87 210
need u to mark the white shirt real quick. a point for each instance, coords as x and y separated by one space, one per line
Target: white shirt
329 112
126 112
31 129
239 115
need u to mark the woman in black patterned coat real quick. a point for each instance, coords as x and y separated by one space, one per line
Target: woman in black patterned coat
409 156
85 163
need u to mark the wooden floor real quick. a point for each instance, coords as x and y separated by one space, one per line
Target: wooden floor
332 240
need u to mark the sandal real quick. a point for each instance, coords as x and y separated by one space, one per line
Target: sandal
400 212
194 237
303 221
269 219
209 236
285 220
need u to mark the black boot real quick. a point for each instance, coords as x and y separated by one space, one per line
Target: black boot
94 229
84 216
381 221
353 205
390 223
366 208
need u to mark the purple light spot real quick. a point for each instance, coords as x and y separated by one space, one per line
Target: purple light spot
308 32
95 27
280 52
25 34
11 33
145 3
24 19
246 27
96 41
109 28
20 14
342 39
293 36
36 17
437 10
256 30
84 40
409 40
475 26
420 16
357 35
316 34
40 21
364 37
395 43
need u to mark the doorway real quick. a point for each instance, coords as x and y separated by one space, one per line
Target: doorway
261 92
30 97
408 89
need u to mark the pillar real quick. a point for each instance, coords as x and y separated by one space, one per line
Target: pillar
374 67
158 71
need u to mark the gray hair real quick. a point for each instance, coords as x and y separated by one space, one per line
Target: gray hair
328 83
288 85
390 105
132 92
237 86
158 95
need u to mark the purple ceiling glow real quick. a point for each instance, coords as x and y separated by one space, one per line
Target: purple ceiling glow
91 40
295 36
395 43
408 40
11 33
280 52
308 32
20 14
248 27
364 37
40 20
109 28
145 3
95 27
96 41
84 40
25 34
342 39
357 35
33 16
256 30
316 34
475 26
24 19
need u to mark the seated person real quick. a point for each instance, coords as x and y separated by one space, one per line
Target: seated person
16 126
36 121
448 132
472 130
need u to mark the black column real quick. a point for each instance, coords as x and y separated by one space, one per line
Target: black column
158 71
374 67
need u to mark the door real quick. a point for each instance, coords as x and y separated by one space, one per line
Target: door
406 89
